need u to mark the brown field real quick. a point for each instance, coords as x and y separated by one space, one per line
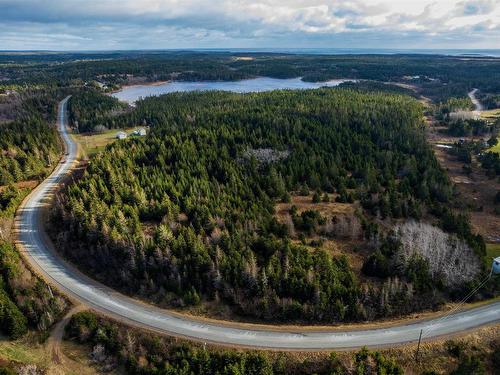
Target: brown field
244 58
29 184
491 114
304 203
476 190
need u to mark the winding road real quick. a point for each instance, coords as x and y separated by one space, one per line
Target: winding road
478 107
37 250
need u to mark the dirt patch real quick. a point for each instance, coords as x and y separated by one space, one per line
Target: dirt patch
477 191
305 203
244 58
29 184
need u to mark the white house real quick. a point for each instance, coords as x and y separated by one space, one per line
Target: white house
140 132
121 135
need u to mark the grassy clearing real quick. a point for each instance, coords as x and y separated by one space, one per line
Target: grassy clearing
27 351
93 143
23 351
496 148
492 250
304 203
490 114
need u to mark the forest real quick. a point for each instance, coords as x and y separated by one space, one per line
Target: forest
188 214
112 345
29 143
89 108
30 147
438 77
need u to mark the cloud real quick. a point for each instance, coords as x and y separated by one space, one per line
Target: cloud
121 24
476 7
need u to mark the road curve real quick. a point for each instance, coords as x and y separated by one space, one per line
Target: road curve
478 106
37 250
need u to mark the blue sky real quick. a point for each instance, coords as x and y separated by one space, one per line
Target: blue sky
158 24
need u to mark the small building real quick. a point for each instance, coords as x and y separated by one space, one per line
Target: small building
121 135
139 132
496 266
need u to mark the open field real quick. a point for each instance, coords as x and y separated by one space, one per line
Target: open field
490 114
496 148
93 143
493 250
28 351
304 203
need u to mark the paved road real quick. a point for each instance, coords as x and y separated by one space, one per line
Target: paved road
104 299
477 104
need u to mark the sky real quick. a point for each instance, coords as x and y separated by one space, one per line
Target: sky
165 24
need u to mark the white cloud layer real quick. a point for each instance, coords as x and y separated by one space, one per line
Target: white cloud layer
112 24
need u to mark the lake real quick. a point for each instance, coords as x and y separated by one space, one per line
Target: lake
132 93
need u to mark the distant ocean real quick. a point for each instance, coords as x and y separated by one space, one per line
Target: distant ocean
362 51
298 51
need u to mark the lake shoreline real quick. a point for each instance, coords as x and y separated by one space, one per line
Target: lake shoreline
132 93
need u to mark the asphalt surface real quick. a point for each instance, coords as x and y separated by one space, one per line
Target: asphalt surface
477 104
39 253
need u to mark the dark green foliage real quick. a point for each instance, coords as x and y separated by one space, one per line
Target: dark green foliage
380 87
187 214
461 128
493 141
489 100
417 272
80 323
378 265
495 355
12 322
145 354
470 365
10 197
29 145
87 109
439 77
382 365
455 348
7 371
316 197
31 296
491 162
381 263
459 224
162 356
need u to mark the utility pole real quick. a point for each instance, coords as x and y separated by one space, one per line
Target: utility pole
418 346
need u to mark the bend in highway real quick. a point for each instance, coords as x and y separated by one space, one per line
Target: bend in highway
477 104
37 250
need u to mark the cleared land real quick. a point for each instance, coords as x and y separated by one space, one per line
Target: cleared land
93 143
496 148
29 351
490 114
493 250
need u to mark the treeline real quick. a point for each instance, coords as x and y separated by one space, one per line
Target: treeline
489 100
111 346
370 86
187 214
29 144
88 108
26 302
114 345
439 77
